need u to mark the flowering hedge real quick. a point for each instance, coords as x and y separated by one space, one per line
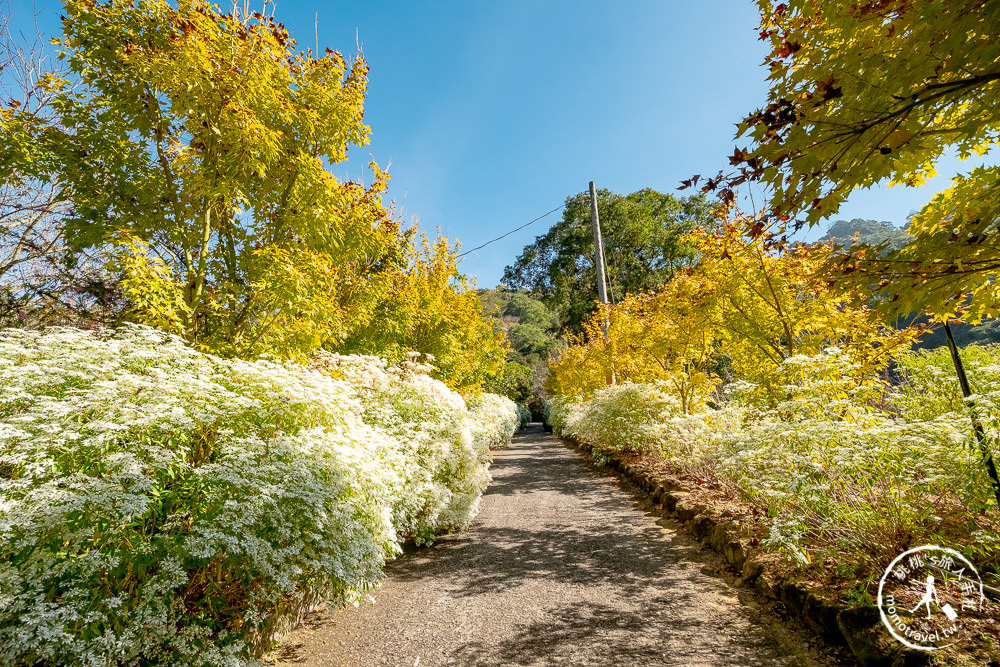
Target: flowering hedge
619 416
159 505
929 386
837 467
496 417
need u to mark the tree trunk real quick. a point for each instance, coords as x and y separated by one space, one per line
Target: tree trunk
977 427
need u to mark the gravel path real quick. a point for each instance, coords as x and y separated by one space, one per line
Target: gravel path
562 566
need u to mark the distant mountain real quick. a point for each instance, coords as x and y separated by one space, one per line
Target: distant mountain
872 232
987 333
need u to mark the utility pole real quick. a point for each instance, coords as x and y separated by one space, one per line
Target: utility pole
602 285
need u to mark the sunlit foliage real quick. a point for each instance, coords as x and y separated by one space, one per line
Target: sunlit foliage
831 476
428 306
863 93
741 311
198 144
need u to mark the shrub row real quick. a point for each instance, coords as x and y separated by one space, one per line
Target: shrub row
160 505
499 416
854 472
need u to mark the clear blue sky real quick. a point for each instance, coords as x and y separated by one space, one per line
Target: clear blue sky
493 113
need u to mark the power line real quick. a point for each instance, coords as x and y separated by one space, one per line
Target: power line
513 230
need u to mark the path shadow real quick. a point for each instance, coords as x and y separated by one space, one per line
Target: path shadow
600 583
495 559
613 636
579 545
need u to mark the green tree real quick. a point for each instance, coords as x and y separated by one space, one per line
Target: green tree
529 327
531 311
532 343
198 143
643 248
864 93
528 324
515 382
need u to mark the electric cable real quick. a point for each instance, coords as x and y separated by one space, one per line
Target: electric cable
517 229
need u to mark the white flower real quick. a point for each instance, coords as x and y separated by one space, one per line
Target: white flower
297 477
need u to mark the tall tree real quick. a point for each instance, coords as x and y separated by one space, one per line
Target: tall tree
198 142
642 247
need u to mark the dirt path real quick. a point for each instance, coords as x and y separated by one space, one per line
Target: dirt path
562 566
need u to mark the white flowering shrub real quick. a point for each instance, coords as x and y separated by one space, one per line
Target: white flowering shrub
692 440
849 487
557 412
621 416
828 386
495 418
157 504
829 469
930 386
444 457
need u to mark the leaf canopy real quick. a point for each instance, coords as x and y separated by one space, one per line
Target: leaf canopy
198 143
864 93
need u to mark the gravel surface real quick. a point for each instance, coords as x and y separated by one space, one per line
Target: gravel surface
562 566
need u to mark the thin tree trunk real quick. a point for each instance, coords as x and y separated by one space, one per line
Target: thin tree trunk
977 426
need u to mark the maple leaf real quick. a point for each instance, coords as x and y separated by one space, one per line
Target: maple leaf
812 152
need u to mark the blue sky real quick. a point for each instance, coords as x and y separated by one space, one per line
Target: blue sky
491 114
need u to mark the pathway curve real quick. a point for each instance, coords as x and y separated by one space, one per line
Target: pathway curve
562 566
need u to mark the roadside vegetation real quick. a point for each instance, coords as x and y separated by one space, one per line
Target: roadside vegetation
162 505
231 385
807 383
